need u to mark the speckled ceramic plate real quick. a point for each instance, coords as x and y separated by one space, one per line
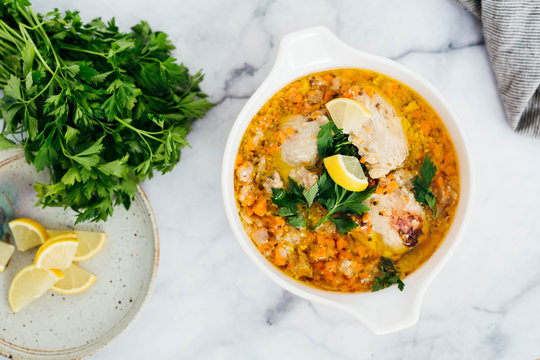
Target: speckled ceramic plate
60 326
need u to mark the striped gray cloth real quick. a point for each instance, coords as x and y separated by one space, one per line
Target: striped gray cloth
512 33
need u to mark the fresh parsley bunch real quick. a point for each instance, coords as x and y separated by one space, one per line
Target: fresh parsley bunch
101 109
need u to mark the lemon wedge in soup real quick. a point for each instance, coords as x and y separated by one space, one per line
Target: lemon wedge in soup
347 114
347 172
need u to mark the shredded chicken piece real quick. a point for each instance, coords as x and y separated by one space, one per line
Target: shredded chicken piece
245 172
380 139
301 147
346 268
272 182
260 236
398 217
304 177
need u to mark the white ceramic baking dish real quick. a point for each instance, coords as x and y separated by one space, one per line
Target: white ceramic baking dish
316 49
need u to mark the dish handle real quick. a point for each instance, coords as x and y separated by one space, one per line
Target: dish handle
388 310
306 51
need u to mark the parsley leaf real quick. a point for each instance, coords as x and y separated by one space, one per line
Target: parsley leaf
297 221
101 109
389 275
332 141
338 200
422 185
310 194
292 202
344 223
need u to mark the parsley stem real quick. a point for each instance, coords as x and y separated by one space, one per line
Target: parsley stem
331 211
326 217
12 33
29 39
84 51
307 218
143 132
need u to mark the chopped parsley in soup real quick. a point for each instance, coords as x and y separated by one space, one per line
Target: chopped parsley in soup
347 180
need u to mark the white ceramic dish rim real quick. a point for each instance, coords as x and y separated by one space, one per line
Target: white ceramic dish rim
317 49
92 348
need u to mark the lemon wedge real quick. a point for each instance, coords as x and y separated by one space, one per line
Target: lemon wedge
27 233
90 242
61 234
29 284
347 114
6 251
56 253
75 280
347 172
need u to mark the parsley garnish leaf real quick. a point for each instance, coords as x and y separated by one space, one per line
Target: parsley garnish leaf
422 185
389 275
332 141
344 223
297 221
310 194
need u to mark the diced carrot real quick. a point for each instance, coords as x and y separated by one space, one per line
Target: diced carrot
439 181
278 221
239 160
273 149
392 88
370 91
329 269
344 254
293 95
249 199
361 251
279 259
327 96
328 79
341 243
319 253
250 146
417 114
318 265
362 160
381 189
260 206
425 126
362 275
352 92
281 136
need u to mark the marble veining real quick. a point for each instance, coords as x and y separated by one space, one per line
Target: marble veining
211 302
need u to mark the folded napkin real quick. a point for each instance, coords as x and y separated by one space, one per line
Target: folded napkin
512 33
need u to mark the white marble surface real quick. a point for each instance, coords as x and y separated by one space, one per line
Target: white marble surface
211 302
